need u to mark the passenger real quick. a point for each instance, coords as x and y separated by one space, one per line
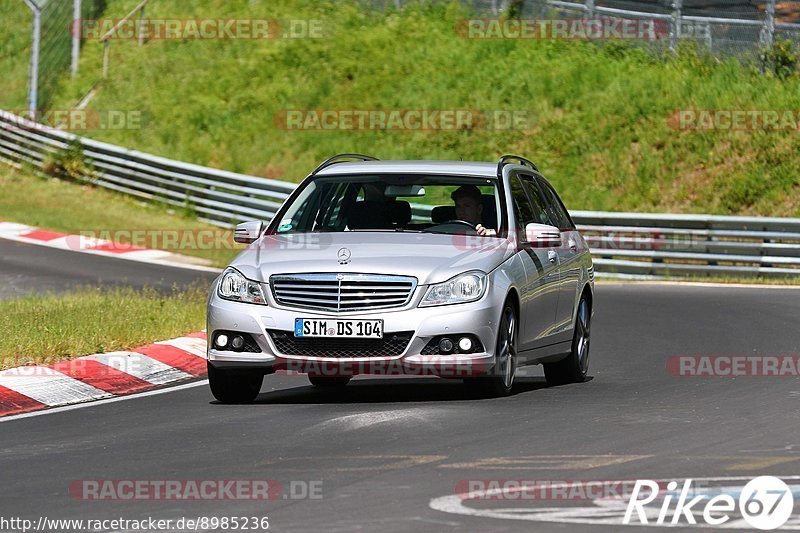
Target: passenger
469 207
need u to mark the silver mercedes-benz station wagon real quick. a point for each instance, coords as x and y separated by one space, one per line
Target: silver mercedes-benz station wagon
455 269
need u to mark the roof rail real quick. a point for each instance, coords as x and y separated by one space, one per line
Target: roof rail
339 158
505 160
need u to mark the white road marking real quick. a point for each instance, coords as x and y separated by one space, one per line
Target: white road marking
602 511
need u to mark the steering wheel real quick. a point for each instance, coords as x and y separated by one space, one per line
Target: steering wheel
458 221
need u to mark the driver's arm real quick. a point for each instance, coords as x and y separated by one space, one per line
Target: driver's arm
484 231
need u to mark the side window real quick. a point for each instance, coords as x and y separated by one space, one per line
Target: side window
523 211
556 206
539 204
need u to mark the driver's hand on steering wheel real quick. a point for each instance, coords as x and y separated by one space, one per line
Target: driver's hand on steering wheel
484 231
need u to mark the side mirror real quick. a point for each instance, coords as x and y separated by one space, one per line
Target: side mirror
542 236
248 232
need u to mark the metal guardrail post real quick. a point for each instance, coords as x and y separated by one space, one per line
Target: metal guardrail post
590 8
768 30
675 26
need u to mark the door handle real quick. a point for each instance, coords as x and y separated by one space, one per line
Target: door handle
551 255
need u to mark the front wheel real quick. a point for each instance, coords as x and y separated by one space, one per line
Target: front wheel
501 381
234 386
574 367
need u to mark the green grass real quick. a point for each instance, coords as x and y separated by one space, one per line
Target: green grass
76 208
50 328
15 44
599 131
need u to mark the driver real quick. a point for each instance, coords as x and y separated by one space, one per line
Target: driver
469 207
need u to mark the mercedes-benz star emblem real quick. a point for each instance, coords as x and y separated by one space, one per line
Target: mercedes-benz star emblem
344 256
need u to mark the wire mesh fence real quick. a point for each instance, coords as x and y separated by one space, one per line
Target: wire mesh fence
52 46
743 28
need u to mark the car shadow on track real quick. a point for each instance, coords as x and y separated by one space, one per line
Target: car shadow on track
390 391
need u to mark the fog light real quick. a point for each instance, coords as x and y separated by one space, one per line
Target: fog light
237 342
465 344
445 345
222 340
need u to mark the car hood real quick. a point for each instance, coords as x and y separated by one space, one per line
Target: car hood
431 258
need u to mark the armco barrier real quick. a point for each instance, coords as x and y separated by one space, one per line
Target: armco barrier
624 244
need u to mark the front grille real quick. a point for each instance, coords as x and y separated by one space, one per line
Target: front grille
342 292
391 345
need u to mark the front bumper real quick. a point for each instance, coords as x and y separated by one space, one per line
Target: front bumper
476 318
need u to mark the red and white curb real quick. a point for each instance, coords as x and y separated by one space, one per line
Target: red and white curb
80 243
101 376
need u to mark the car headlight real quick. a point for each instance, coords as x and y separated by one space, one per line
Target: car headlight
466 287
233 286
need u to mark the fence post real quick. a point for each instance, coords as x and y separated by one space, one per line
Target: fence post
590 8
141 26
76 36
106 44
33 74
675 29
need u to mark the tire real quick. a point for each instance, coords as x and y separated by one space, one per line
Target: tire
322 382
501 382
234 386
575 367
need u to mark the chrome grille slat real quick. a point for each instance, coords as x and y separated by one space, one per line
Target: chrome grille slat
334 286
333 294
347 292
386 287
372 295
310 300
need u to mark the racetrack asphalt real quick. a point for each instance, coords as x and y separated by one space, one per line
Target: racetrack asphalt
384 454
28 268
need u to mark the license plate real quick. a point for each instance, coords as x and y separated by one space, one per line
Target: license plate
323 327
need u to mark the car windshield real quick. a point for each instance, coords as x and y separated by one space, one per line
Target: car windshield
435 204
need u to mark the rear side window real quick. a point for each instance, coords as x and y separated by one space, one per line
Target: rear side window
538 202
523 210
558 213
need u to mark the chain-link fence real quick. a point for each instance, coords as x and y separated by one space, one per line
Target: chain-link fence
53 45
743 28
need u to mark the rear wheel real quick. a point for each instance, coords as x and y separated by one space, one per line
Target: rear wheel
574 367
324 382
501 381
234 386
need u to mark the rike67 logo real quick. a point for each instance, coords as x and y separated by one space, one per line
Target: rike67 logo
765 503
